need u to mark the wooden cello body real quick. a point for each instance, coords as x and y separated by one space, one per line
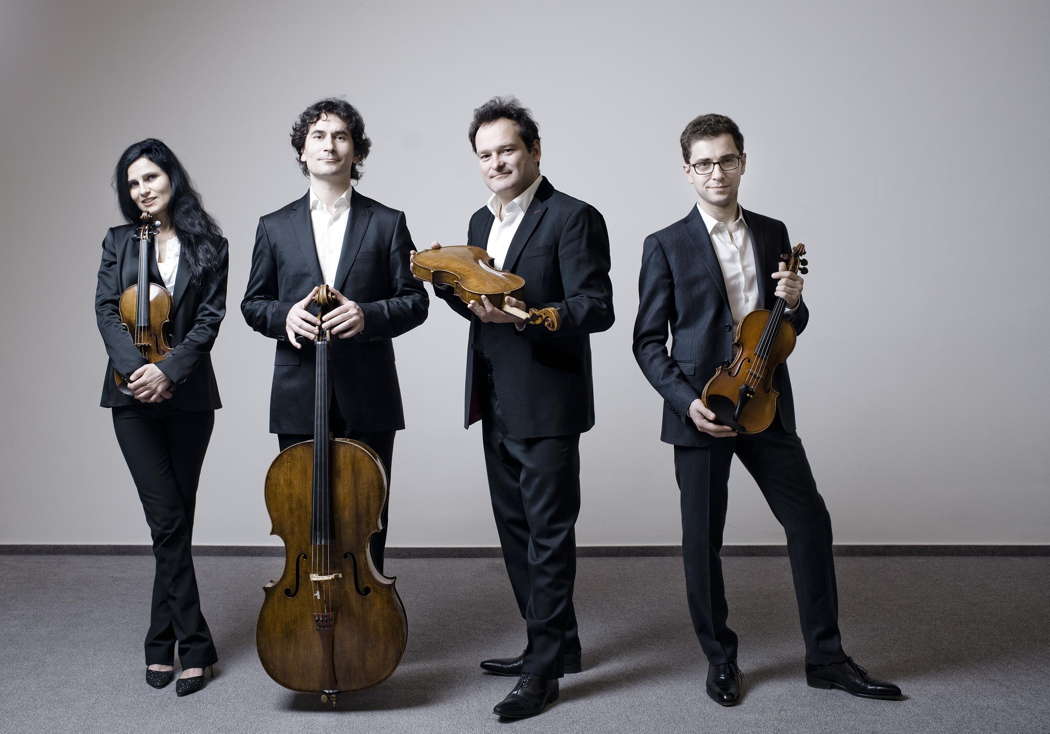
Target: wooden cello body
145 308
332 622
741 394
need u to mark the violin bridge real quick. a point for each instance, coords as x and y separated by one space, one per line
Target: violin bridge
325 577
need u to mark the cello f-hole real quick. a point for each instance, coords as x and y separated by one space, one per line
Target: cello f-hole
298 560
357 584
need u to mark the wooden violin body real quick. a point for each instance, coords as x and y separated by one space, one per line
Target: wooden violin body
741 394
145 308
332 622
470 272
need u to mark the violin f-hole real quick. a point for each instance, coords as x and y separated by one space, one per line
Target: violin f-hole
298 560
357 584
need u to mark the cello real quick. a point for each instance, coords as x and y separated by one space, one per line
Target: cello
741 394
332 622
145 307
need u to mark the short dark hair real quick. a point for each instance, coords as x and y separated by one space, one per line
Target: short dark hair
344 111
709 126
505 108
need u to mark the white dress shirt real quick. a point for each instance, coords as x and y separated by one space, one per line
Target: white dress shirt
732 245
169 268
329 231
507 220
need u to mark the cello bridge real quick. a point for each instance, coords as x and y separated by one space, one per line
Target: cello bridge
326 576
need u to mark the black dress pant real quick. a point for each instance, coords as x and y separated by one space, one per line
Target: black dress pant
382 442
778 463
535 488
164 449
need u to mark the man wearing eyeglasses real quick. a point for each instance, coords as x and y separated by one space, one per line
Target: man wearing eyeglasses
699 278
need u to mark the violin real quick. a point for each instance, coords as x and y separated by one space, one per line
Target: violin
332 622
741 393
470 271
146 307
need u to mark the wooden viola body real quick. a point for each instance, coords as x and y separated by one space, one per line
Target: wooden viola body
145 308
346 632
748 380
741 394
470 272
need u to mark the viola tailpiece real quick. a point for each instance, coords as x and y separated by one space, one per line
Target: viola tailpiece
741 393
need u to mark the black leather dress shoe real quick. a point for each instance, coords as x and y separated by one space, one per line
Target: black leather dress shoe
529 697
851 678
724 684
571 663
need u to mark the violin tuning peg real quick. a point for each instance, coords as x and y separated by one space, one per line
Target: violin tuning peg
803 262
803 270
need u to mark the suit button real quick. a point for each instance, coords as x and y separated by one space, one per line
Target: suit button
728 327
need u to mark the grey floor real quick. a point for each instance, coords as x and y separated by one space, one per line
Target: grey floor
967 639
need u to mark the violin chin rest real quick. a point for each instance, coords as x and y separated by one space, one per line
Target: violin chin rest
723 408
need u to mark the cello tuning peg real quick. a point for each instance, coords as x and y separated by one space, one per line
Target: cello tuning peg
803 270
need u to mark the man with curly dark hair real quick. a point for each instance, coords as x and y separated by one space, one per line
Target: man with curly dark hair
532 388
336 236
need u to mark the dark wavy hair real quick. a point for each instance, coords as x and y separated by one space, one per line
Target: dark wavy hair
345 112
709 126
505 108
199 235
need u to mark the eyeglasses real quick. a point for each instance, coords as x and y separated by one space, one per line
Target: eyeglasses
729 163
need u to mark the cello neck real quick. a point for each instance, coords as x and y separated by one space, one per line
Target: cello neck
321 510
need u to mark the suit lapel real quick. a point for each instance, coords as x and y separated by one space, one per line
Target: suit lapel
478 236
182 278
704 250
360 213
760 248
303 231
531 219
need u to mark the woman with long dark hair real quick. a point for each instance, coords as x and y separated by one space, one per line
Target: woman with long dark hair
163 417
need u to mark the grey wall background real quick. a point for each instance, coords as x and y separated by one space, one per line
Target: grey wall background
904 143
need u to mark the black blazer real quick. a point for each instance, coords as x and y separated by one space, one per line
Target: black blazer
681 284
374 271
543 379
197 312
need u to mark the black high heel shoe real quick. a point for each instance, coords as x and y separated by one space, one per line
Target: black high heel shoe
186 686
159 678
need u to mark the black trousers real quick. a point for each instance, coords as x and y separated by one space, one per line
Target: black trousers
164 449
778 463
382 442
535 488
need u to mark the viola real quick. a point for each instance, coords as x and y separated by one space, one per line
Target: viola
741 394
145 308
332 622
470 271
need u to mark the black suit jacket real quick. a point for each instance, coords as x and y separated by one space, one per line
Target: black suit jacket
197 311
681 285
542 379
373 270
